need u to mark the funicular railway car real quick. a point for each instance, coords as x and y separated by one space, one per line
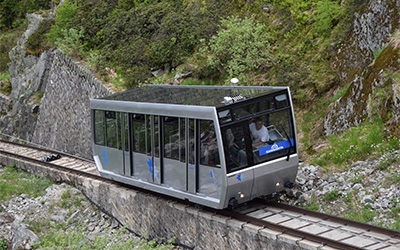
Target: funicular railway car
214 146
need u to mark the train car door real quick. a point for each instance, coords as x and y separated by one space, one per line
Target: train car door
174 152
239 158
191 168
145 137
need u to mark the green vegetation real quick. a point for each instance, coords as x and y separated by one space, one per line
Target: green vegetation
18 182
360 214
68 200
241 45
37 42
67 239
3 244
6 84
12 12
332 196
284 45
358 143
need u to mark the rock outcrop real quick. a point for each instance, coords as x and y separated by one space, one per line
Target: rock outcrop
354 63
50 99
28 76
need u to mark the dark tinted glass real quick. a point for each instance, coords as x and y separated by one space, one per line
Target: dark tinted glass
202 96
99 127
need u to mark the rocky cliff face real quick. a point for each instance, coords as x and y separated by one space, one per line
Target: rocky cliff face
28 75
355 63
50 99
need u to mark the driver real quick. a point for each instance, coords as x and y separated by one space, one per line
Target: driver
259 133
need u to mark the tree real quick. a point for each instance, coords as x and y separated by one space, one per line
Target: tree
8 13
241 45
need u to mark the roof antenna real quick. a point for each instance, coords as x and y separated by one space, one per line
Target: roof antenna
234 82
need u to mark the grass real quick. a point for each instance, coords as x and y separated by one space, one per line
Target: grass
68 200
69 238
358 143
363 215
17 182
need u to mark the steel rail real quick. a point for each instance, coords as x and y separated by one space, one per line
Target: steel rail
326 217
48 164
42 148
287 230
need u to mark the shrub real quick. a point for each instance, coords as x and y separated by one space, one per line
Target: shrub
241 45
70 42
63 16
37 42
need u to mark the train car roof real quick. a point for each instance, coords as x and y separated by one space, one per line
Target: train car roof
190 95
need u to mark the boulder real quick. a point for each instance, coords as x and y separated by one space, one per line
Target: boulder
21 236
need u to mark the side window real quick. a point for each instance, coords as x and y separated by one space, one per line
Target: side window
99 127
192 143
156 137
126 133
235 148
182 141
139 133
209 154
113 129
172 138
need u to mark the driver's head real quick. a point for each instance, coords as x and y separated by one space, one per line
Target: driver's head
259 124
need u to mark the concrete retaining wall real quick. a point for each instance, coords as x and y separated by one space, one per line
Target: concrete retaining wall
162 219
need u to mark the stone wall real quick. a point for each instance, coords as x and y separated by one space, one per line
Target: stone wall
64 118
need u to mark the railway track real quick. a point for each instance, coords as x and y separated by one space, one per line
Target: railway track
328 232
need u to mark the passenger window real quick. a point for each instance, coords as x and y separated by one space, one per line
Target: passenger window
209 154
99 127
172 138
235 148
191 152
156 138
126 133
113 129
139 133
182 142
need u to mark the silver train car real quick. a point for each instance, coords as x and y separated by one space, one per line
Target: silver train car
197 142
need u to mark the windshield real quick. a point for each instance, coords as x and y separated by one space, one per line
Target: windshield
257 132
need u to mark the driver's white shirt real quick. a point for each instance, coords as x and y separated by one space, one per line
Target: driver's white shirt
259 135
